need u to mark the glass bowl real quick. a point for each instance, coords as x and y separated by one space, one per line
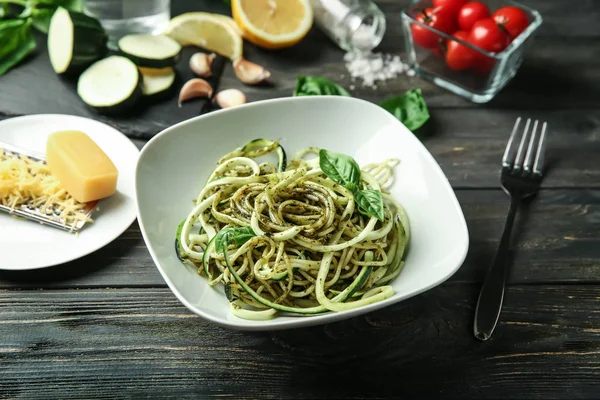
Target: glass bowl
477 86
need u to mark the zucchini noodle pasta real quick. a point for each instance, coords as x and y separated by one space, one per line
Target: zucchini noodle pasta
313 235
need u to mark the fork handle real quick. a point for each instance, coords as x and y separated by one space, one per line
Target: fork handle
492 291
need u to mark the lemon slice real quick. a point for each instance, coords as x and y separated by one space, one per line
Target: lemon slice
273 24
213 32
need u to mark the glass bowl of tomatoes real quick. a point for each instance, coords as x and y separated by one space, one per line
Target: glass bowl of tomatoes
471 48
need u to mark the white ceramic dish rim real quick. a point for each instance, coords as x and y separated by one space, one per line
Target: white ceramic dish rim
303 321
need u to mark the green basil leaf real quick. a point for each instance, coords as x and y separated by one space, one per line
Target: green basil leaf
4 10
73 5
370 201
43 14
16 42
410 109
317 86
340 168
41 19
237 235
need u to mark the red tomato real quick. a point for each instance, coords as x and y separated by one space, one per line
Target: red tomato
488 36
435 19
449 6
471 13
458 56
513 19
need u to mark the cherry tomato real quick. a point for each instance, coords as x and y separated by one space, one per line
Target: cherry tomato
488 36
513 19
458 56
471 13
435 19
449 6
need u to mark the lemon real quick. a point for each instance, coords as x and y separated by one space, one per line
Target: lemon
213 32
273 24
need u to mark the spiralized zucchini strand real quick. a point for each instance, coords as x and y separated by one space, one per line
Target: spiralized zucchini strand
313 250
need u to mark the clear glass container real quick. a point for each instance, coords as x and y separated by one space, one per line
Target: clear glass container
122 17
354 25
479 87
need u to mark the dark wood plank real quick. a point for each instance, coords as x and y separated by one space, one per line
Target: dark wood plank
138 343
556 241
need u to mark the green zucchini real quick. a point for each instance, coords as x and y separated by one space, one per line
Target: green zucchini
256 147
157 82
151 51
75 41
210 246
111 86
178 243
341 297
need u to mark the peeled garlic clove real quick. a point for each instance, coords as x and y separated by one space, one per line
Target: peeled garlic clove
200 64
250 73
230 98
194 88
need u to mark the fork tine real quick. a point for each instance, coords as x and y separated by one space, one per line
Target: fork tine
518 165
528 163
509 154
538 165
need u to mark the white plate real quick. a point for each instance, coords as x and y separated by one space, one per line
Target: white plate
175 164
29 245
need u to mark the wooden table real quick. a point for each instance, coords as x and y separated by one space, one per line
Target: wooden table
108 326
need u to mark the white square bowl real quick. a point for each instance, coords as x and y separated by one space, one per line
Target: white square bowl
174 166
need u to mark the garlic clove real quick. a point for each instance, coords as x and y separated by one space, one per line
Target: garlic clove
200 64
194 88
230 98
250 73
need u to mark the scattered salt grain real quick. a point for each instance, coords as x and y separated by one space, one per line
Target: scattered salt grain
373 67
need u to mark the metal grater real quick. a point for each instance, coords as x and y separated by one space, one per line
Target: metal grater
50 217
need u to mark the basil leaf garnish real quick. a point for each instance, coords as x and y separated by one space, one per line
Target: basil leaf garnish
318 86
370 201
340 168
410 108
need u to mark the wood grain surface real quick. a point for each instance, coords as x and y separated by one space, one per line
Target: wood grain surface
131 343
107 326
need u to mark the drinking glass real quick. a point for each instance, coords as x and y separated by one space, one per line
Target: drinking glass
122 17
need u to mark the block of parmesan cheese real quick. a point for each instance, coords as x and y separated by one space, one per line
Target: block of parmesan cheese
82 168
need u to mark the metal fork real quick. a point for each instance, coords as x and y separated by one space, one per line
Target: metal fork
522 171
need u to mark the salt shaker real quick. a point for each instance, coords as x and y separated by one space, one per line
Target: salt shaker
354 25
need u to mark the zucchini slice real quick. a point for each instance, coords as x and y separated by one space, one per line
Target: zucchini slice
152 51
157 82
111 85
75 41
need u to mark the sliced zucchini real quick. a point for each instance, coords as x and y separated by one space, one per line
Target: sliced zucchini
152 51
157 82
110 86
75 41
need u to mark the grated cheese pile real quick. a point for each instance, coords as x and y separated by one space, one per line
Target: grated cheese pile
373 68
24 181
